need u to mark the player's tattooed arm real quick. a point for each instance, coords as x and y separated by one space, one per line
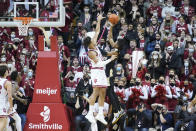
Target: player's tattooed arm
110 39
97 30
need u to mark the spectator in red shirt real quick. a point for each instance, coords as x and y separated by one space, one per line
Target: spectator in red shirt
190 56
64 55
177 16
69 86
172 76
187 10
22 61
45 14
9 50
141 41
30 44
4 37
29 84
19 48
34 32
64 31
24 73
75 67
4 5
181 26
154 10
69 80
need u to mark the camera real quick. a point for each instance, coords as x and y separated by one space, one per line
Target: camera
181 93
82 92
180 99
159 107
71 77
140 106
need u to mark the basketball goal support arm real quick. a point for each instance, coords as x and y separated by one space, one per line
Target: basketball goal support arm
45 35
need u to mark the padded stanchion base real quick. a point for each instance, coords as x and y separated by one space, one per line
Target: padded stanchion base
47 117
47 87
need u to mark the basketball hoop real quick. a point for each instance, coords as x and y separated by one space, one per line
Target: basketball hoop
23 24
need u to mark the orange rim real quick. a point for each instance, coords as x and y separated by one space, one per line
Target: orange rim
25 20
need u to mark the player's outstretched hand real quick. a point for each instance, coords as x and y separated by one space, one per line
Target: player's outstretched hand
100 17
113 57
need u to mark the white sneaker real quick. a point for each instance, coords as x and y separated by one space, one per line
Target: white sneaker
90 118
100 117
117 116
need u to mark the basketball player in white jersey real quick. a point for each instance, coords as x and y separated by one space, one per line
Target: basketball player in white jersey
6 103
98 76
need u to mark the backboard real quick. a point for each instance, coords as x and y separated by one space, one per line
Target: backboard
46 13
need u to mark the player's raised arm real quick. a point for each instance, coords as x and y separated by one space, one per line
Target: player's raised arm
110 38
97 30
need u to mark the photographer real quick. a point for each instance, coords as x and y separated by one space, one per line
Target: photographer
130 121
144 117
141 118
69 89
165 119
84 87
83 90
185 119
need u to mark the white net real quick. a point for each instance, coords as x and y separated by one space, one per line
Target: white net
23 29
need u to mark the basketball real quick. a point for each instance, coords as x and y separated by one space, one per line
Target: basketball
113 18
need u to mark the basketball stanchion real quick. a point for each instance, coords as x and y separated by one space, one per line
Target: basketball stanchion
41 43
47 112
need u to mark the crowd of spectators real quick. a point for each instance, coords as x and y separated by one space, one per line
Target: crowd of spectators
152 81
155 91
